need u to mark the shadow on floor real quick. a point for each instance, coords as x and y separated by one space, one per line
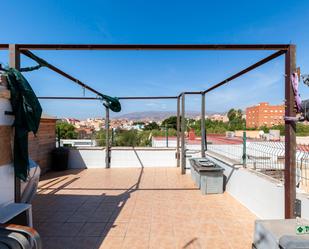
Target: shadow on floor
68 221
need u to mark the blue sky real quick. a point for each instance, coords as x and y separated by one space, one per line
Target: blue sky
146 73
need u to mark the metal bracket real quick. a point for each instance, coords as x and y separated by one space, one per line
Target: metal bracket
9 113
297 208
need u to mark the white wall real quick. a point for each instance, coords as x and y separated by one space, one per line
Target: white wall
122 158
260 194
6 184
6 171
162 143
86 158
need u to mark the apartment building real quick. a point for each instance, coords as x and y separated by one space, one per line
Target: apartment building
264 114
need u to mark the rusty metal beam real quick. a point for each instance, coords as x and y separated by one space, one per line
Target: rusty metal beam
191 93
148 97
153 46
69 98
14 62
290 136
246 70
96 98
59 71
4 46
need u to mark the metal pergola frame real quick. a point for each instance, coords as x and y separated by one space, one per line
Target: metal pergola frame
289 50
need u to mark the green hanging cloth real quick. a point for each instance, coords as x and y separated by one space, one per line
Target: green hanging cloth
27 111
111 102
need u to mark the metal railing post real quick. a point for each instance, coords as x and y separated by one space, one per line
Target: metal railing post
166 135
244 149
107 144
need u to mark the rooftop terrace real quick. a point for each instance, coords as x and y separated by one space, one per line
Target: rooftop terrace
146 207
136 208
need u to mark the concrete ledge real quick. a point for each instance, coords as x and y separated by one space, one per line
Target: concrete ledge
261 194
224 159
125 148
94 157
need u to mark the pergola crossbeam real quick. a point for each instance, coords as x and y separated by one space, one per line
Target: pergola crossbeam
96 98
290 65
246 70
66 75
152 46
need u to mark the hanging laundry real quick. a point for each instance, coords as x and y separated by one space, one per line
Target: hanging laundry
27 111
294 81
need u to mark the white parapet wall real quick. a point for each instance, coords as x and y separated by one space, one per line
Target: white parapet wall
122 157
6 166
6 184
261 194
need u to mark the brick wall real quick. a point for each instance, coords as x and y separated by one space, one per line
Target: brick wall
5 144
40 147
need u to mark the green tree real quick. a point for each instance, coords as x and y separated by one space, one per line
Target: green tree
100 137
138 123
216 127
264 128
236 122
127 138
170 122
234 114
151 126
302 129
66 131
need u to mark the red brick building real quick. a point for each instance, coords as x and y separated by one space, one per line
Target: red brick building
264 114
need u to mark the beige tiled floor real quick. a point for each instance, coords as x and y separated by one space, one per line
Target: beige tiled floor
135 208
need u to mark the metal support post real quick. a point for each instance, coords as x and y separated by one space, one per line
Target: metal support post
290 138
183 128
203 131
14 60
178 132
107 144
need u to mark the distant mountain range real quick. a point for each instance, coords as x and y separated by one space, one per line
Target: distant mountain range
157 115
